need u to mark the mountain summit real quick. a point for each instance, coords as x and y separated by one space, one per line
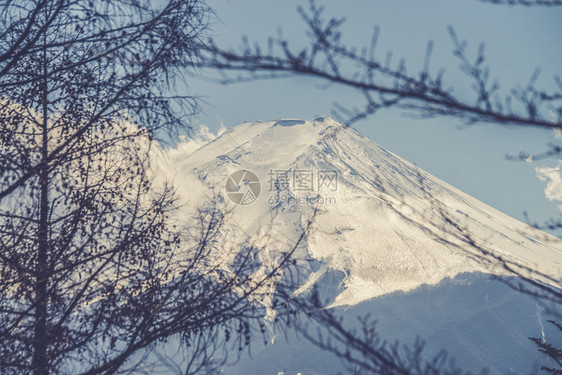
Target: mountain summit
384 224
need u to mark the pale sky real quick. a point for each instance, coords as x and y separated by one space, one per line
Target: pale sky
518 40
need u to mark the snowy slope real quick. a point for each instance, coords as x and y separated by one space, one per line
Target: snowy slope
386 224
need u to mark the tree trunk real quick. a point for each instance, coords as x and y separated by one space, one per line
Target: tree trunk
40 339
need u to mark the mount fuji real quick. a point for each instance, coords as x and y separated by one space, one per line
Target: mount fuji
387 237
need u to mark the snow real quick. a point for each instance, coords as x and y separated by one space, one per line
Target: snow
388 225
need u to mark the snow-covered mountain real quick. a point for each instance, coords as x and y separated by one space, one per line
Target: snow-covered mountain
383 224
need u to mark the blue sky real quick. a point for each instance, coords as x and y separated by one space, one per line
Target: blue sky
518 40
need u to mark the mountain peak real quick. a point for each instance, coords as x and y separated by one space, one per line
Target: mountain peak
319 121
289 122
384 223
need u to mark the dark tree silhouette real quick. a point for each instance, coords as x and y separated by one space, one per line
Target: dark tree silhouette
425 93
93 274
95 271
550 350
100 59
525 2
